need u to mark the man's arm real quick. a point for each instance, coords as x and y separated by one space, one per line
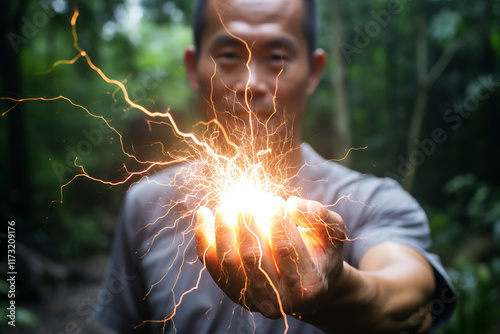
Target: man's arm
390 293
303 273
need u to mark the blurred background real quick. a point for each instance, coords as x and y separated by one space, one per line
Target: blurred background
415 82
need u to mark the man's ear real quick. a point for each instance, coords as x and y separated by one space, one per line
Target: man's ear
191 63
318 62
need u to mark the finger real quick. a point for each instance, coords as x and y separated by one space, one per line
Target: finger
307 214
205 240
253 246
321 225
225 241
256 259
289 250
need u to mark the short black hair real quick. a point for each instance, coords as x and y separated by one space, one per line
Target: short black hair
310 23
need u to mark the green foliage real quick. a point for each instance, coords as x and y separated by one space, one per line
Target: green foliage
24 317
445 25
478 307
466 234
61 136
471 213
82 235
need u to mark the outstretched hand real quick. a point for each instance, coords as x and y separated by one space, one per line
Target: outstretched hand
290 268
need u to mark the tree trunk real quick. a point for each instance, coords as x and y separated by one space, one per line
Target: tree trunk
420 103
19 199
391 122
425 79
491 117
341 117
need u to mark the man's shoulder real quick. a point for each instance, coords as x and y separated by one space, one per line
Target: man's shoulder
376 194
158 185
151 199
329 176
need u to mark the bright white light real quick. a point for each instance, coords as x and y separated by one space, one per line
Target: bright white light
246 197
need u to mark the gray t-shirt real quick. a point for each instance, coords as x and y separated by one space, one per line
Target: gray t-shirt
154 274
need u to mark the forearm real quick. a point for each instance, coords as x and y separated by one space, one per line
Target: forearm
389 295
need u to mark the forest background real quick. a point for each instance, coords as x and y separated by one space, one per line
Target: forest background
417 83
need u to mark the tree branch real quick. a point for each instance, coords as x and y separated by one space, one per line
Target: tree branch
446 56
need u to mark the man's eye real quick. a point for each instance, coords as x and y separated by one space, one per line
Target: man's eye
228 56
278 61
278 58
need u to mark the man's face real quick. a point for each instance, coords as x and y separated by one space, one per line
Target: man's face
253 72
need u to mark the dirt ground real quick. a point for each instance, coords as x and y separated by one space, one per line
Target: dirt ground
68 307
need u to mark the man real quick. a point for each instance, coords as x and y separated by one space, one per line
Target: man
254 65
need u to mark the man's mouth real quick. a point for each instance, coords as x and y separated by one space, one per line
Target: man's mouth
259 114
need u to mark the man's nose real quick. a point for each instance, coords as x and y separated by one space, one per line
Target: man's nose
255 81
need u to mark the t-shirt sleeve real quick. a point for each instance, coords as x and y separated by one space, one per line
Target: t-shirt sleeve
120 301
390 214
